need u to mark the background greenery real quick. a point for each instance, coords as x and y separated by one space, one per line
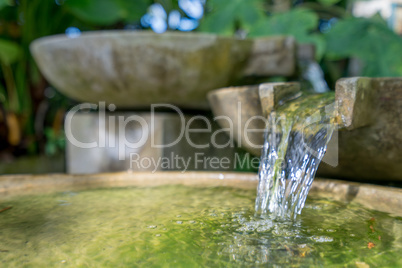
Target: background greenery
31 112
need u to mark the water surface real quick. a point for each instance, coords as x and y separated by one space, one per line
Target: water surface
180 226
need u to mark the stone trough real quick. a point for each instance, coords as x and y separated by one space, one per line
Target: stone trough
369 141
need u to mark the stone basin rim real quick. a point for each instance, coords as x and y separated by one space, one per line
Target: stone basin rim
381 198
139 33
231 90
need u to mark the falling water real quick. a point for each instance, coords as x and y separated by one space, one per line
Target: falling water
312 72
296 138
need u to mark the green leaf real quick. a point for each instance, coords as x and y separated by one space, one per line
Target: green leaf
22 87
369 40
3 99
226 15
298 22
10 52
133 10
329 2
107 12
4 3
101 12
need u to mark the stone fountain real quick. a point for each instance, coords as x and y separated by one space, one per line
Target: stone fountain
131 71
368 145
368 120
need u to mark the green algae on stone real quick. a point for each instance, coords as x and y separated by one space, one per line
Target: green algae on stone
179 226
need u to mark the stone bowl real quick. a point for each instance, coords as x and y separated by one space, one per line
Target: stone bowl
134 69
385 199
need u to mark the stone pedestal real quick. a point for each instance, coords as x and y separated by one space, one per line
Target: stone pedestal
146 142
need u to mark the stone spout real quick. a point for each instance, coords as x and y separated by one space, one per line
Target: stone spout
369 144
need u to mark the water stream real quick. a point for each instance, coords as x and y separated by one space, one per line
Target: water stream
296 139
312 72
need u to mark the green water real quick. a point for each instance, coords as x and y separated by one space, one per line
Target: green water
178 226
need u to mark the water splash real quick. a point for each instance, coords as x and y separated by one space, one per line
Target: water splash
296 139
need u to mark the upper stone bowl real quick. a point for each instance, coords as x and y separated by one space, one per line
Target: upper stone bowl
134 69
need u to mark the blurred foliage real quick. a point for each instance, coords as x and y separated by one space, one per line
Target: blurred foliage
369 40
329 2
30 117
4 3
298 22
228 16
32 120
56 142
328 24
107 12
10 52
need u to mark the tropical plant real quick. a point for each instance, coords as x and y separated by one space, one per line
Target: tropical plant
328 24
22 86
